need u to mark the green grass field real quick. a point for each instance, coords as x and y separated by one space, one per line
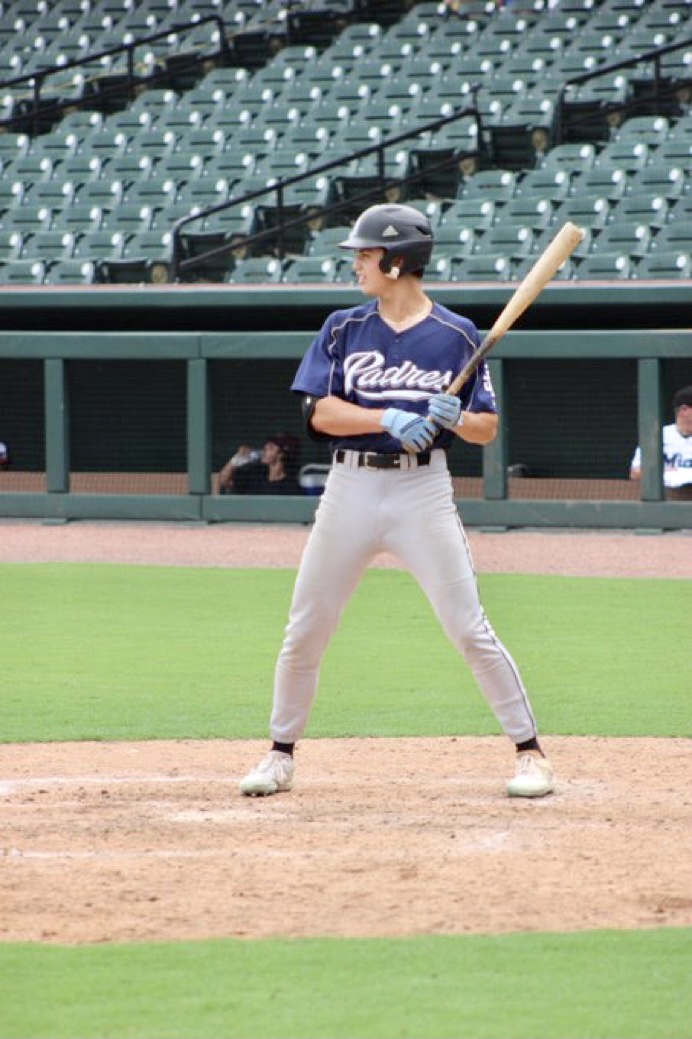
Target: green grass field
117 652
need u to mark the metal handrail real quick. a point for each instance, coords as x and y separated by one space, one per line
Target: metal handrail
38 77
655 55
180 264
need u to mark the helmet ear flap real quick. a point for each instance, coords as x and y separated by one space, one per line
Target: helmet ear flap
389 268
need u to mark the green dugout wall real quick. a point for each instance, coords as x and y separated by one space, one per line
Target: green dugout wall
125 401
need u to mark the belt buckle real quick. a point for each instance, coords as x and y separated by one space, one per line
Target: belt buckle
374 461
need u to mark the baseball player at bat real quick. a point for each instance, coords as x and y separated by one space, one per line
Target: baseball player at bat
373 384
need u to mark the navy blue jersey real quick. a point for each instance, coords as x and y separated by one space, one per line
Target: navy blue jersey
357 356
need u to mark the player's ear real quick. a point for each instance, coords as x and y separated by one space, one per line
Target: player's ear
394 269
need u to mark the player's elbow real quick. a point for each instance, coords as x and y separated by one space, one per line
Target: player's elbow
483 430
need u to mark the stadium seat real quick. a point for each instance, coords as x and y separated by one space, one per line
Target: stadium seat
130 218
22 272
603 266
100 245
642 206
11 244
325 242
30 218
71 272
511 240
576 155
454 240
12 193
588 211
309 269
545 183
664 264
673 236
623 236
649 129
607 180
477 213
50 246
255 270
483 267
660 178
498 185
543 239
530 211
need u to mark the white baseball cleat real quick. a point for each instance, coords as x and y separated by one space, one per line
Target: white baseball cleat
273 774
533 777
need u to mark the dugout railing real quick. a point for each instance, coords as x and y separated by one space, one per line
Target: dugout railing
661 361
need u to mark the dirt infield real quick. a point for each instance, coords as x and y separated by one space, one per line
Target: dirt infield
133 842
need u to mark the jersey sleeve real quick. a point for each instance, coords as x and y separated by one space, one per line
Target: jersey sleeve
320 372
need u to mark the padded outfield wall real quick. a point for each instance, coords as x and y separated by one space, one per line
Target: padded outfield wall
125 401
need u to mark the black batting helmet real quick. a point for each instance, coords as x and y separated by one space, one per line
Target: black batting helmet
402 231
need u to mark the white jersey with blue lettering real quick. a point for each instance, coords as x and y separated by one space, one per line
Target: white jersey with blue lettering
361 359
677 457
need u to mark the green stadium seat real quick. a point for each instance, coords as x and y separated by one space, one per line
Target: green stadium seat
483 267
50 246
642 206
498 185
255 270
673 263
543 239
12 193
660 178
575 155
590 211
623 236
478 213
155 191
30 169
105 193
545 183
100 245
22 272
182 167
673 236
508 239
605 266
676 152
30 218
455 240
11 244
130 218
649 129
105 143
311 269
534 212
606 179
325 242
71 272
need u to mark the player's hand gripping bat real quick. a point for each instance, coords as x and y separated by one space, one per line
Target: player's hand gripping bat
548 263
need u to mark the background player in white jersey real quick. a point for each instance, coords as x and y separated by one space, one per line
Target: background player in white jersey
373 384
677 445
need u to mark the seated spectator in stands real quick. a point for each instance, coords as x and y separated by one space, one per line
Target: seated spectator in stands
273 470
677 447
4 456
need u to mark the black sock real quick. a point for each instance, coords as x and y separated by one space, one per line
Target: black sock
531 744
284 748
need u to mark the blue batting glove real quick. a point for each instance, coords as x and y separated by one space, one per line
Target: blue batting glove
445 410
415 432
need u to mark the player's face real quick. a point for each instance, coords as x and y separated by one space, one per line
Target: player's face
683 420
366 267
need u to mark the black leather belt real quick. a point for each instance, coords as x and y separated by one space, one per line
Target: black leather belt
373 460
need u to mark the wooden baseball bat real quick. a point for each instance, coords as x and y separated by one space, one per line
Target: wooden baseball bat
551 259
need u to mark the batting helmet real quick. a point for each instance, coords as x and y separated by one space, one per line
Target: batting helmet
402 231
